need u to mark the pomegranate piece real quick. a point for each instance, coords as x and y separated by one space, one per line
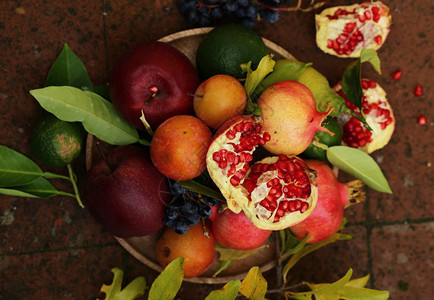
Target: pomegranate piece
379 116
418 91
345 30
397 75
333 197
421 120
275 193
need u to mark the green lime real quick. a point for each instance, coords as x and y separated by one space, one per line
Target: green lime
324 138
226 47
55 142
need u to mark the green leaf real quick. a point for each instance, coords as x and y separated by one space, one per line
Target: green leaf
224 264
201 189
253 79
232 254
69 70
351 83
371 56
228 292
254 285
341 289
134 289
17 169
40 188
99 117
358 282
359 164
351 79
167 284
284 70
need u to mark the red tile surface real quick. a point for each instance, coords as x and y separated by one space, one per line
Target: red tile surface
52 249
402 260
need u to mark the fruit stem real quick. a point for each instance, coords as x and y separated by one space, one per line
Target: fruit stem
74 184
146 124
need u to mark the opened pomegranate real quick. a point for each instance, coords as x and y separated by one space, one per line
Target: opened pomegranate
290 117
345 30
274 193
333 197
378 114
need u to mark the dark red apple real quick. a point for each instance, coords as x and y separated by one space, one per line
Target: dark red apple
154 77
126 194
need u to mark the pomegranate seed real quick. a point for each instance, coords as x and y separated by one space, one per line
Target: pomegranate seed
153 89
216 156
361 18
223 164
372 84
247 126
378 39
234 181
397 75
418 91
368 14
421 120
329 43
280 212
304 207
365 84
230 134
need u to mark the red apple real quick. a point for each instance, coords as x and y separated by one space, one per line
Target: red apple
126 194
155 78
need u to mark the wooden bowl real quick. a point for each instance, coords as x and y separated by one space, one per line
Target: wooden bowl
143 248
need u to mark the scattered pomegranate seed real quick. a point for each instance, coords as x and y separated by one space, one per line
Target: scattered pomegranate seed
421 120
418 90
397 75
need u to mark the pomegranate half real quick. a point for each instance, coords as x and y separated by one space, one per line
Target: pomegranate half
345 30
274 193
378 114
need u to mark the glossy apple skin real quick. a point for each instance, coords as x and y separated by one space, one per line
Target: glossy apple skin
126 194
138 72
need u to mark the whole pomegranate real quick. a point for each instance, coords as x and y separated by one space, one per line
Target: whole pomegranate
333 197
345 30
378 114
290 117
274 193
236 231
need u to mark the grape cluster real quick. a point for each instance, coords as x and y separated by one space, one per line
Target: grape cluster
186 208
203 12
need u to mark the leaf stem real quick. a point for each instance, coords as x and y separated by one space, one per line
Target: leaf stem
74 185
144 142
53 175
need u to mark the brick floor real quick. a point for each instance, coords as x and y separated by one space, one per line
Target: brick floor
52 249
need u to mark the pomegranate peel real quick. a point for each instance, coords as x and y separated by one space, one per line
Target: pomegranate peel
333 198
290 116
344 31
379 116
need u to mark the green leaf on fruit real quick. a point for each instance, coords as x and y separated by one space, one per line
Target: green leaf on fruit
359 164
254 285
254 78
167 284
99 117
17 169
344 288
196 187
40 188
69 70
351 79
114 292
228 292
